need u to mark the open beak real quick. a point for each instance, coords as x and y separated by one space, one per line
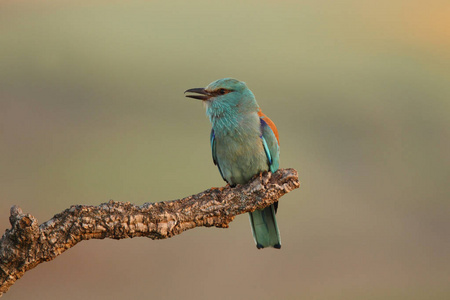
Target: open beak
204 95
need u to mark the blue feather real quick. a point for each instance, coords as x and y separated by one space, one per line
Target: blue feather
212 139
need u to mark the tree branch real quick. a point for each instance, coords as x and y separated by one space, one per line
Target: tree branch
28 244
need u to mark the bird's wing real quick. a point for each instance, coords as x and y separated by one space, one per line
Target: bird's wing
269 136
270 123
212 139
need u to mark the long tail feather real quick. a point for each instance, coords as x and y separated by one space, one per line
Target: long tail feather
265 228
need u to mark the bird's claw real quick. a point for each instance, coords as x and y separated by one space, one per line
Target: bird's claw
220 188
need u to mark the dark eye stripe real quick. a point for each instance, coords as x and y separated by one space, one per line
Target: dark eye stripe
222 91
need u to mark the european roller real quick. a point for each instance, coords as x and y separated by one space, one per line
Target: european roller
244 143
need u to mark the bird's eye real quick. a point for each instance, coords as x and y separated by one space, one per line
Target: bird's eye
222 91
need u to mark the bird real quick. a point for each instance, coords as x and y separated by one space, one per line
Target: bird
244 143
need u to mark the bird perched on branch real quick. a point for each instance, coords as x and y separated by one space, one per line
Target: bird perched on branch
244 142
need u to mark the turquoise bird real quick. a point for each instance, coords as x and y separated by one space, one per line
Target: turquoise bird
244 142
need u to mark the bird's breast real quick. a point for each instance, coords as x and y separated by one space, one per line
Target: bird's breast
240 156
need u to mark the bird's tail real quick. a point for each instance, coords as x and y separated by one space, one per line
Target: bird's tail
265 228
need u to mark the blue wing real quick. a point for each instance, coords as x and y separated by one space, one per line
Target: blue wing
212 139
271 146
263 222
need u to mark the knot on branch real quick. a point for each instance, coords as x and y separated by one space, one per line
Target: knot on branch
25 227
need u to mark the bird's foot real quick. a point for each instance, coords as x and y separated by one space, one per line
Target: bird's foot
220 188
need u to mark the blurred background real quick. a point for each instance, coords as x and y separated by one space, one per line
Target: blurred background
92 109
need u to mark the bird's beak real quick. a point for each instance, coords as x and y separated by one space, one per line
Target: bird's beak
204 95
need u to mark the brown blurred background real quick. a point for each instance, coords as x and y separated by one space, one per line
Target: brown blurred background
92 109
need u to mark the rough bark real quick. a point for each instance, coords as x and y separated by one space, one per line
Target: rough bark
28 244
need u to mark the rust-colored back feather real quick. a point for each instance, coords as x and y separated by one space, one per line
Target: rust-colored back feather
270 123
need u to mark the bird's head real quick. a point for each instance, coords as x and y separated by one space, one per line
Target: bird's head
225 94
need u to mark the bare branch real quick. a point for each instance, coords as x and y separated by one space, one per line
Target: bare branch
28 244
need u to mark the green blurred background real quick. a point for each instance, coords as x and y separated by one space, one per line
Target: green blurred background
92 109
